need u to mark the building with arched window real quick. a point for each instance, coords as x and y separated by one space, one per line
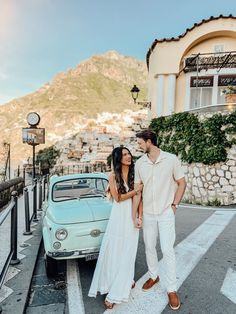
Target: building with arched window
189 72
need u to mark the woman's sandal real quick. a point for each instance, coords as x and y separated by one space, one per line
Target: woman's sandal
108 305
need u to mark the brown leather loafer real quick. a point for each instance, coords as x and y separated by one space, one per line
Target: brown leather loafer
174 301
150 283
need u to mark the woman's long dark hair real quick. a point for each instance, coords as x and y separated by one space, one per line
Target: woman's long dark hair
117 166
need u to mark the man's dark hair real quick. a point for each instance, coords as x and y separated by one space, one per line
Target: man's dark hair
148 134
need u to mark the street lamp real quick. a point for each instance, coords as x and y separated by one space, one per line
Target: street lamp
134 92
33 135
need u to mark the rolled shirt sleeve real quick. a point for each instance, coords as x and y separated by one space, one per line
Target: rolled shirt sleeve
178 171
137 178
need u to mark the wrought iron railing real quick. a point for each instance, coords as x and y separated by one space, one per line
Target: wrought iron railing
38 196
205 61
6 188
12 256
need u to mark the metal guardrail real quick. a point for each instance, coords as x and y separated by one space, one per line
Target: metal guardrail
34 189
37 201
12 208
7 187
85 168
12 256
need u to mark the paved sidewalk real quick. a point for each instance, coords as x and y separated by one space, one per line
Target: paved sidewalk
14 295
14 292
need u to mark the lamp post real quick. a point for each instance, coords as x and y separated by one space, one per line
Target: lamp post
134 92
33 135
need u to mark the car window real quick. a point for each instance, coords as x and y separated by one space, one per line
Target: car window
102 184
79 188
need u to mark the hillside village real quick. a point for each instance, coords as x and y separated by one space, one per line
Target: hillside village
91 146
74 102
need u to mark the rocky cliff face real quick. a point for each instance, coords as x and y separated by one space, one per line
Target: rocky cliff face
99 84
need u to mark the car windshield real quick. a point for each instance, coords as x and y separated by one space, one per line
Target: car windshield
79 188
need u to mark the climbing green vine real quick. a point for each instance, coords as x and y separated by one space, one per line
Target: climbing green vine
195 139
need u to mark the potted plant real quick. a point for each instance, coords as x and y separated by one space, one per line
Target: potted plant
230 94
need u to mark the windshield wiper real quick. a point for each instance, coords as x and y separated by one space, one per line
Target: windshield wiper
92 195
68 197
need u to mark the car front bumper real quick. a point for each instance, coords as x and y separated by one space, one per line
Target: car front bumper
73 254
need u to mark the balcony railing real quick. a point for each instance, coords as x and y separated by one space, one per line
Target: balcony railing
206 61
213 108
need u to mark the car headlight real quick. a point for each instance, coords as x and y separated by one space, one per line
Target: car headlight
61 234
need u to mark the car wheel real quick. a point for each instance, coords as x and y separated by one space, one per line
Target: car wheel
51 266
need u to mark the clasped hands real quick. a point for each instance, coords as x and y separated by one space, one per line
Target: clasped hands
138 223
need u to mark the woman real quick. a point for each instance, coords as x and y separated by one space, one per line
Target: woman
114 271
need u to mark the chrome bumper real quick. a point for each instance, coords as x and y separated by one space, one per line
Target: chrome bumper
73 254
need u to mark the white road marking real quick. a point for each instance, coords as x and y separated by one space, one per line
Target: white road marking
188 254
211 208
74 291
229 285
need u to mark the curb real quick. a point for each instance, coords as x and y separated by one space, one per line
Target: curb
17 301
220 208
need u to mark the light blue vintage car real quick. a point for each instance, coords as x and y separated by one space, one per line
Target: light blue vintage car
75 217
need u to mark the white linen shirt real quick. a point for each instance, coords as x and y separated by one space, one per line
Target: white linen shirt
159 180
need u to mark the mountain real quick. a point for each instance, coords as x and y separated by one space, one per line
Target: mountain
99 84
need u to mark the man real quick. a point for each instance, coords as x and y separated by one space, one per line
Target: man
164 185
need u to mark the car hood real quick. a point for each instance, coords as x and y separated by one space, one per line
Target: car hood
79 211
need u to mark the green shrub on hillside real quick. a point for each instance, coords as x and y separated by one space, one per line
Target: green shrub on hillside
47 158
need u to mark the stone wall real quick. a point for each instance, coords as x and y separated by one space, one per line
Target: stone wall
212 184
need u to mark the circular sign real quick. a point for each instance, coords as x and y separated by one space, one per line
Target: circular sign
33 118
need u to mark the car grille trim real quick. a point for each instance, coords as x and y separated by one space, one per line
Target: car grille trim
88 234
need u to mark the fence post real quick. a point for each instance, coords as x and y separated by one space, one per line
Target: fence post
14 229
43 184
40 194
35 200
18 171
27 214
24 175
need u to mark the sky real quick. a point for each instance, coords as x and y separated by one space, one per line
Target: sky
40 38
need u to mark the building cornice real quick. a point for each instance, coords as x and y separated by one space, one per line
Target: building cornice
157 41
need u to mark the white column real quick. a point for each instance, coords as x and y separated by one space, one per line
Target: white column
187 93
215 90
171 93
160 95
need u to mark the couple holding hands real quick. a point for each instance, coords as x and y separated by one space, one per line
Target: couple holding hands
144 196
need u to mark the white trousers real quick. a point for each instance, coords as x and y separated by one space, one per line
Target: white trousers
166 225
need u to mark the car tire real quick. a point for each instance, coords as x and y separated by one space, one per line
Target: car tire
51 266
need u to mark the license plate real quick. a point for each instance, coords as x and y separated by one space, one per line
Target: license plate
91 257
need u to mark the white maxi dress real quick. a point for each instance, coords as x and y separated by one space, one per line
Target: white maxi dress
114 272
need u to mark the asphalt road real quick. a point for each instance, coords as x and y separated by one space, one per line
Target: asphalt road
206 272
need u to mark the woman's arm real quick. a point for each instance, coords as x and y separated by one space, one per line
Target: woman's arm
139 222
135 204
120 197
140 210
137 210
